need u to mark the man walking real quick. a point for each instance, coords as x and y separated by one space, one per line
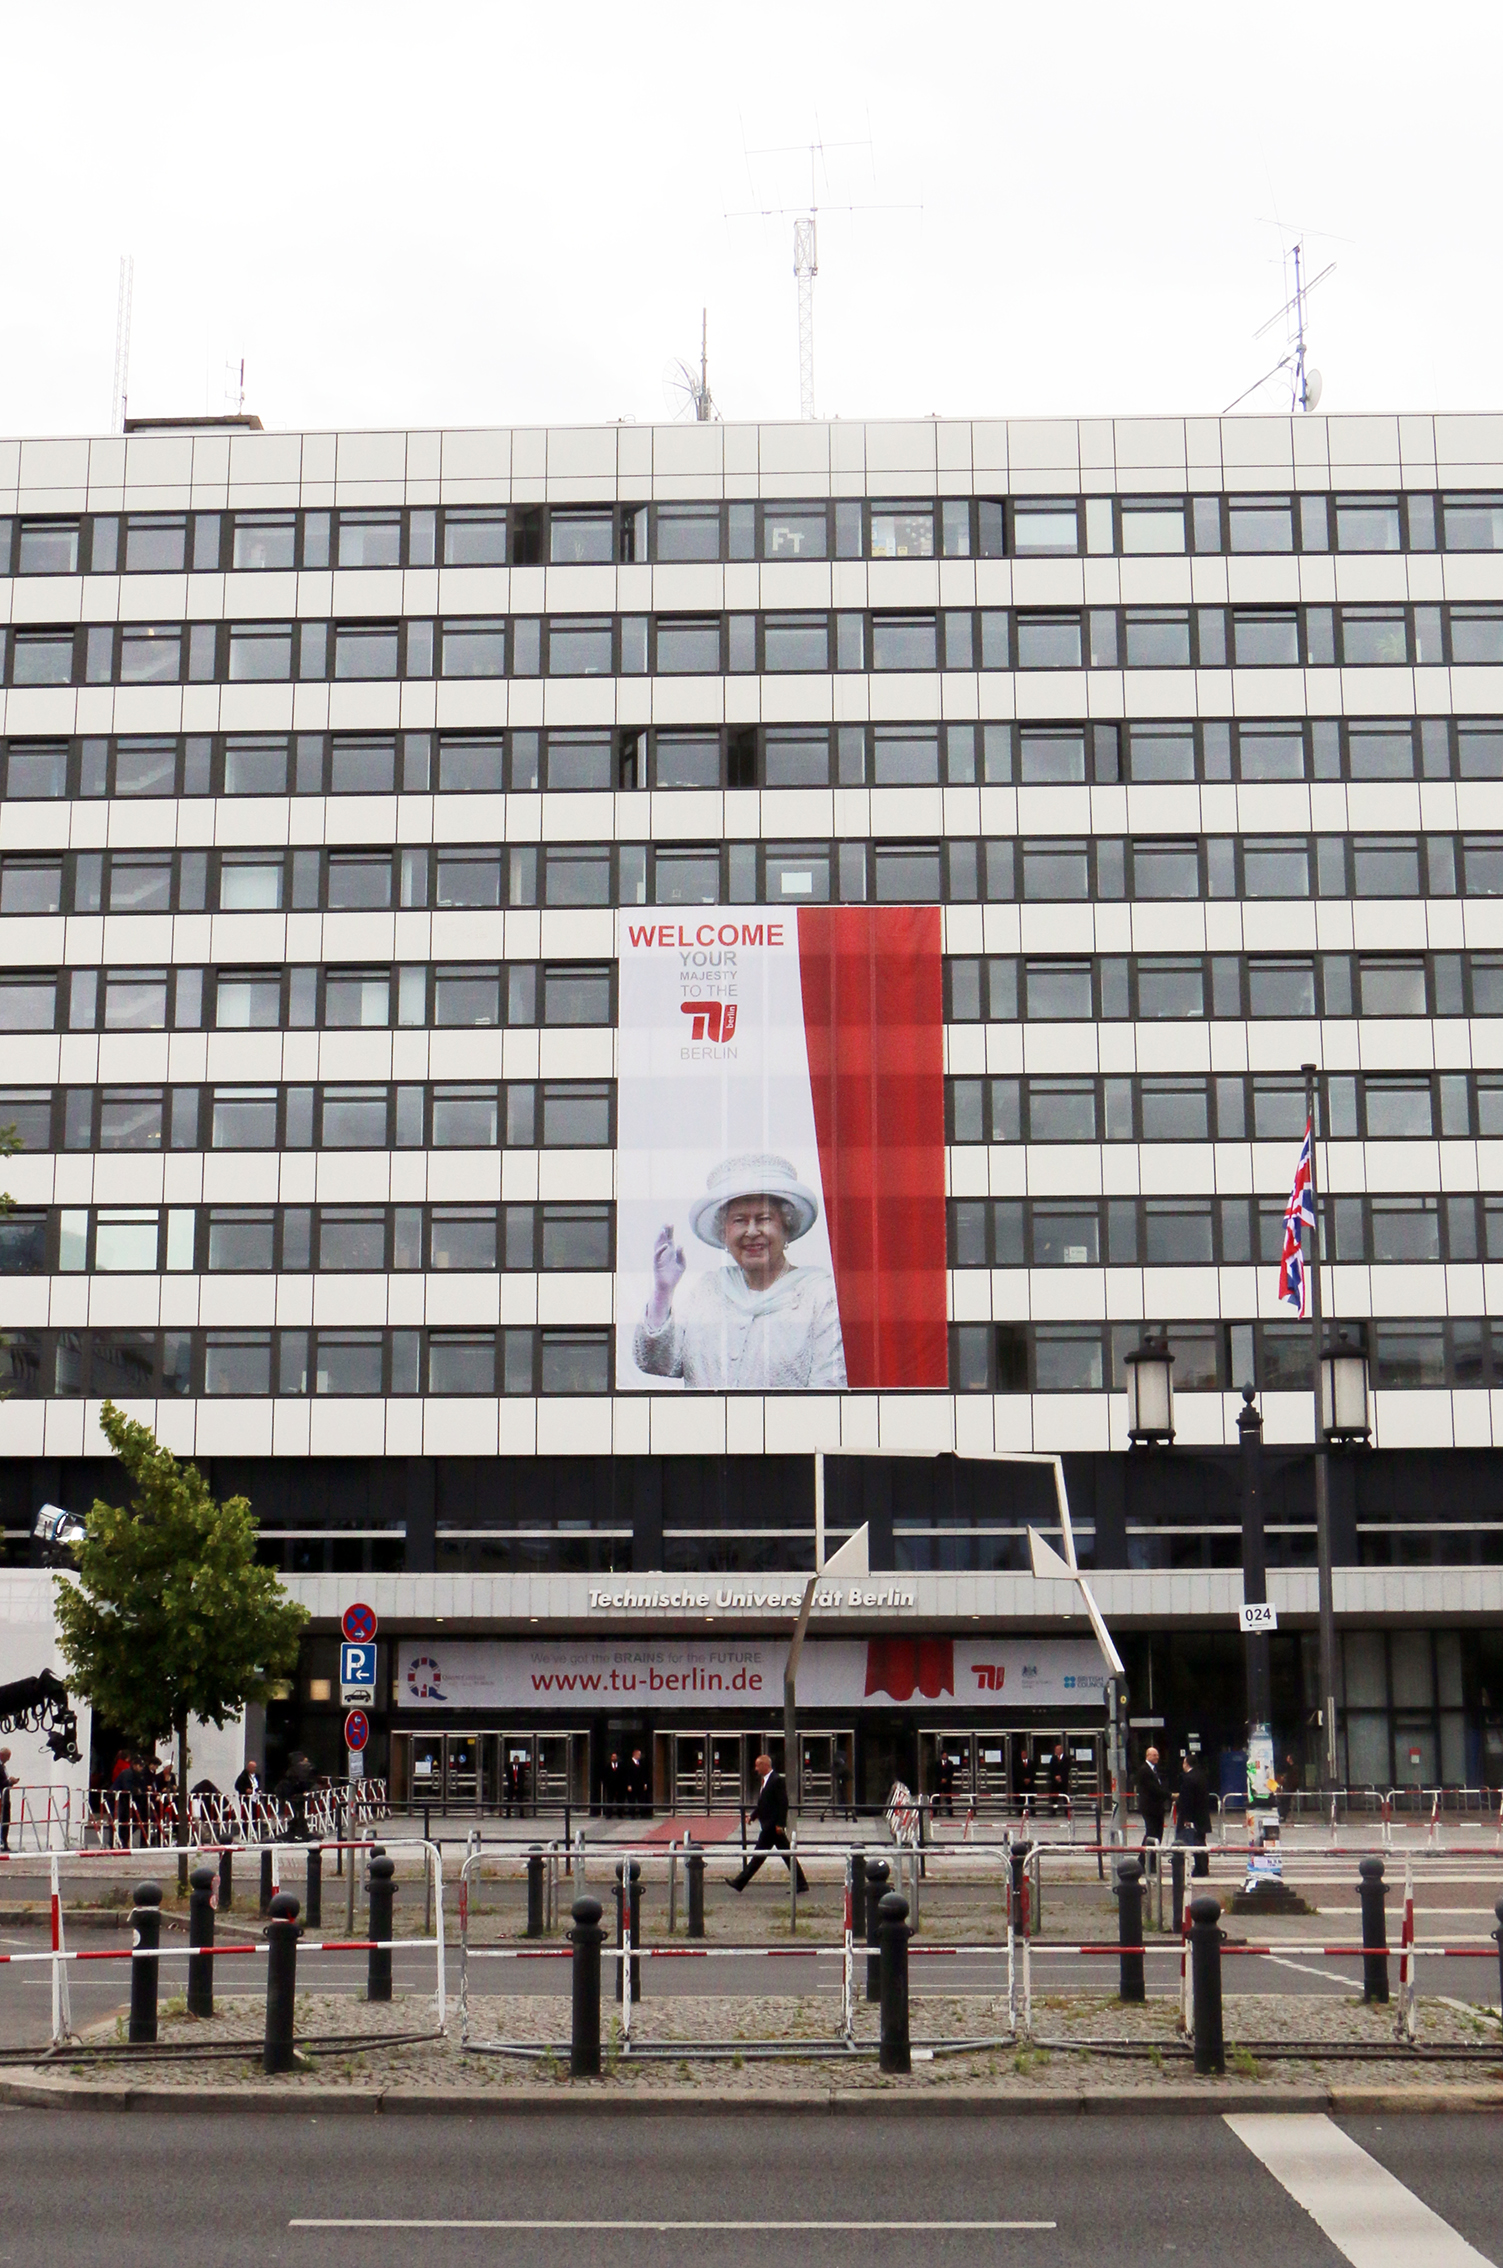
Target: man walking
771 1812
1193 1814
1153 1803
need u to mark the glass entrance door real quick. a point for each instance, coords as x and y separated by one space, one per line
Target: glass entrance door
461 1771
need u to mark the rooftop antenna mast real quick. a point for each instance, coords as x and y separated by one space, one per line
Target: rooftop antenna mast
691 387
1304 381
122 341
806 244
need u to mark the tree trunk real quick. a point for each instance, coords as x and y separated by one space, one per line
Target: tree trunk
182 1800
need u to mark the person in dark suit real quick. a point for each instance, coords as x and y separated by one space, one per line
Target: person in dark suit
771 1813
1059 1780
1153 1801
1192 1813
639 1786
1028 1780
944 1785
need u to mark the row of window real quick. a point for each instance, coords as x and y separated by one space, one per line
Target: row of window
1046 870
144 1364
997 1358
984 1232
290 1239
809 528
1149 987
1083 1358
1000 988
1208 1232
1227 1107
713 645
752 756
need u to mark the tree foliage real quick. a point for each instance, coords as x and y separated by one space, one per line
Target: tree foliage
167 1615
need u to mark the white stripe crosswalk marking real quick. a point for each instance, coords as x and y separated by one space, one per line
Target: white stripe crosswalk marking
1365 2210
719 2228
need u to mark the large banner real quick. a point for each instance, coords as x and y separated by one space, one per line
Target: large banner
780 1216
635 1672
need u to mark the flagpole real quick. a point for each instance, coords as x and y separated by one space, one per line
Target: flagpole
1327 1602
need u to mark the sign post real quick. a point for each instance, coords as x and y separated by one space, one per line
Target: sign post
357 1731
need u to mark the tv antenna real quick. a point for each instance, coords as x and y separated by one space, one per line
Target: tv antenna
805 220
691 390
1304 382
235 387
122 341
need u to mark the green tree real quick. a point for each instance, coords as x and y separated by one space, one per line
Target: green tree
167 1615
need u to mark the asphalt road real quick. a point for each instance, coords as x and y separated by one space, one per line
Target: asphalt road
1416 2192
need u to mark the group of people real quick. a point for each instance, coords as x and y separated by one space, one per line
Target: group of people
626 1788
1046 1784
1191 1799
142 1800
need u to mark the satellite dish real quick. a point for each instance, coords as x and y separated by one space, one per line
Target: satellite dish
1312 388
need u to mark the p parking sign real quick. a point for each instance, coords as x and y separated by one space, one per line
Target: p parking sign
357 1675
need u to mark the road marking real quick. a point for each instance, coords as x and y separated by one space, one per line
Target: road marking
664 2228
1365 2210
1338 1984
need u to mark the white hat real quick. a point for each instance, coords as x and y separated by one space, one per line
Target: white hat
751 1175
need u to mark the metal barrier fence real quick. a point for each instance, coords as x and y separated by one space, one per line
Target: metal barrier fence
38 1817
1019 1879
274 1857
142 1819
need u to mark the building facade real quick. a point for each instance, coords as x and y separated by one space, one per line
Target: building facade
331 766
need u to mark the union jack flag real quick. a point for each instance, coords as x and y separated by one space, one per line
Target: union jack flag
1299 1212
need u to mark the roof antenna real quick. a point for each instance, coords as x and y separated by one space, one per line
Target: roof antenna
122 342
680 383
1304 381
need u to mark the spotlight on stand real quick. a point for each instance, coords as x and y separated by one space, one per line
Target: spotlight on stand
1343 1391
57 1528
1150 1393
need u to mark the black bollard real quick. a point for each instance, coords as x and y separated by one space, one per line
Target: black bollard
226 1879
1130 1984
201 1932
894 2054
878 1875
586 1937
856 1865
383 1891
535 1892
146 1922
313 1906
1205 1966
1371 1892
1177 1884
266 1883
282 1934
1019 1855
696 1873
634 1908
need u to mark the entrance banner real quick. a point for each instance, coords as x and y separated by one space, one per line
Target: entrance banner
746 1673
780 1150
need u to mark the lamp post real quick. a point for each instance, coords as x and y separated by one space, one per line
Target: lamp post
1150 1393
1254 1560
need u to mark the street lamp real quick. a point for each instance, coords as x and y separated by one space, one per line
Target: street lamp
1343 1391
1150 1393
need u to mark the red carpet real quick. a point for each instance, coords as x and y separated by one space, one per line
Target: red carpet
717 1827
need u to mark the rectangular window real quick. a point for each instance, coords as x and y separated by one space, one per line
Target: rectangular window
365 650
465 1118
1051 757
1175 1110
23 1244
1062 1110
151 654
798 871
1271 752
688 877
1380 751
1399 1110
359 880
1042 524
576 1237
1373 636
689 645
1265 639
1067 1360
354 1118
264 540
575 1362
794 531
1056 870
1058 990
797 642
1476 634
462 1362
1259 523
688 531
1158 638
473 649
579 646
135 1000
1281 988
1473 523
49 547
141 882
796 757
42 657
244 1118
907 874
1275 869
1391 988
1161 752
237 1362
1385 866
1177 1235
903 641
156 543
241 1241
1153 524
348 1362
357 999
1049 641
581 877
1166 870
260 651
576 1117
474 537
1170 989
1406 1230
906 756
902 531
1367 523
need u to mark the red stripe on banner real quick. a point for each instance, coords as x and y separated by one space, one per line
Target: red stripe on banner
874 1027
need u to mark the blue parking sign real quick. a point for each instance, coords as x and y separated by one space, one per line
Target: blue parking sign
357 1674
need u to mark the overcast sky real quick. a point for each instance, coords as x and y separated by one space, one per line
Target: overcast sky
504 214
